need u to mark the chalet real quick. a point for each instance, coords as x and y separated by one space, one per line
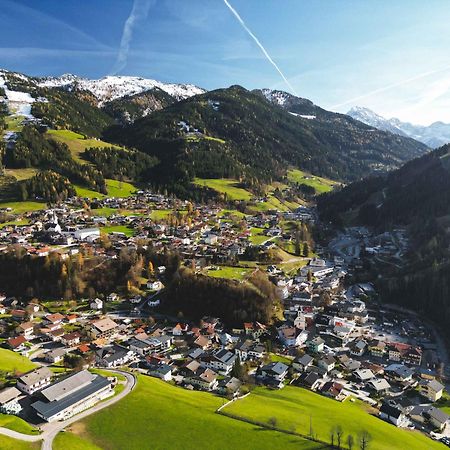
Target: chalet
142 347
429 414
393 414
229 386
26 329
432 389
56 355
35 380
326 363
103 328
301 363
96 304
221 361
358 347
162 371
71 339
333 390
291 336
377 348
9 401
274 370
363 374
71 318
204 378
113 356
54 321
202 342
311 380
316 345
72 395
379 385
399 372
17 343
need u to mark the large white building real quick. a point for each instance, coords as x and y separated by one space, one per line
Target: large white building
72 395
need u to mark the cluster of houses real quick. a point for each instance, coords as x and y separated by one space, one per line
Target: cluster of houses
329 340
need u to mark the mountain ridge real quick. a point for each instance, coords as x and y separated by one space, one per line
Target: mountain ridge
434 135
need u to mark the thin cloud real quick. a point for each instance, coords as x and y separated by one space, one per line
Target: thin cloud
390 86
138 12
258 43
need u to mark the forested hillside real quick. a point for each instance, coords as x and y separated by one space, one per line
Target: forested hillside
236 133
417 196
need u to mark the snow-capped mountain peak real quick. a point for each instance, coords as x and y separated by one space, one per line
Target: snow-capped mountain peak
113 87
433 135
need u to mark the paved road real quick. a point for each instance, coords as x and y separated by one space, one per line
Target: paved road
50 430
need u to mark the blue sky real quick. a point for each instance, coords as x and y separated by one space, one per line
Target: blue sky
391 56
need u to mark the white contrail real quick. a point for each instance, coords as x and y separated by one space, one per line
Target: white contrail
391 86
139 11
258 43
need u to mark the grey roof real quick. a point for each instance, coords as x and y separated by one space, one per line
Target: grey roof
67 386
33 377
437 414
49 409
391 411
225 356
435 385
8 394
304 360
276 367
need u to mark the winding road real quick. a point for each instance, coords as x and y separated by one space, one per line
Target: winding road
50 430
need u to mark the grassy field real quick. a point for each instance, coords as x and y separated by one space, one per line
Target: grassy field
293 407
11 361
23 207
161 214
21 174
7 443
118 229
119 188
257 237
232 273
15 222
17 424
14 123
320 185
87 193
225 186
70 441
115 189
77 143
157 415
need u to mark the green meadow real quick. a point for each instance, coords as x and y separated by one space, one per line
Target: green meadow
297 408
225 186
11 362
157 415
77 143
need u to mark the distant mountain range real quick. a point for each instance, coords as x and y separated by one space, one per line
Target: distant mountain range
434 135
180 131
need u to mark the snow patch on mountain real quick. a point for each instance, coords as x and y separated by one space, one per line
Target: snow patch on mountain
434 135
277 97
18 102
113 87
303 116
